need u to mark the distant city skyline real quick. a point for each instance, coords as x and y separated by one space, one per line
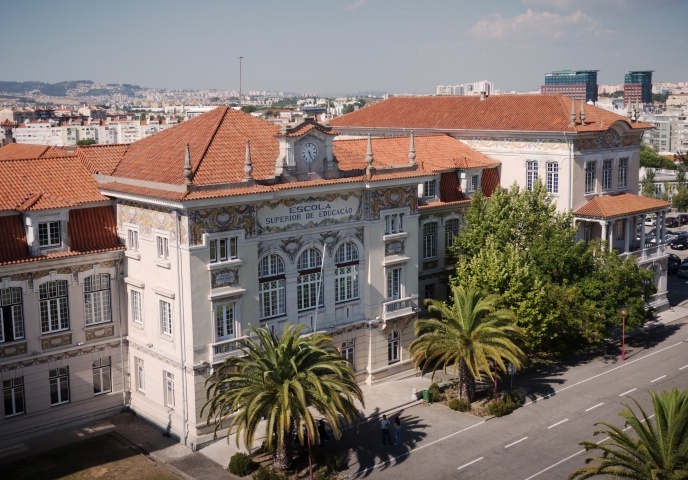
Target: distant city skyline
346 47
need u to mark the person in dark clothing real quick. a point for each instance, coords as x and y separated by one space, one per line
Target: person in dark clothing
397 430
385 430
322 432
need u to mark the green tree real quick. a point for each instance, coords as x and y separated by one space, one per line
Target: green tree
469 333
85 141
647 184
649 158
680 198
655 448
279 378
248 109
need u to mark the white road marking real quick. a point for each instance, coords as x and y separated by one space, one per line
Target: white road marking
658 378
685 366
554 465
470 463
625 364
626 393
594 406
517 441
559 423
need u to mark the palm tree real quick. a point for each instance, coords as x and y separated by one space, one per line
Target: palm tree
469 334
279 378
657 449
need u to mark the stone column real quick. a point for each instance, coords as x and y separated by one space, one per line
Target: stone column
662 217
627 234
642 231
604 235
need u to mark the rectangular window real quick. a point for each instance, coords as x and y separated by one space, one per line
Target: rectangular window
53 306
162 247
430 189
451 231
346 283
531 173
48 234
430 240
224 321
169 389
136 307
347 350
394 223
102 376
474 183
429 291
97 299
11 314
166 317
140 375
222 249
59 385
394 284
13 396
307 295
552 177
606 175
133 240
590 177
623 173
272 298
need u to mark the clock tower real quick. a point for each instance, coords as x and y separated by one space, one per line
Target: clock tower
306 152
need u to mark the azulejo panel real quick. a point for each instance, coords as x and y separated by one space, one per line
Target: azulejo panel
392 198
148 217
224 277
221 219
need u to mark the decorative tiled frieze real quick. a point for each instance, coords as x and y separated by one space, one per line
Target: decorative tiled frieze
392 198
224 277
395 247
291 246
59 356
13 350
100 332
506 143
56 341
221 219
359 233
149 217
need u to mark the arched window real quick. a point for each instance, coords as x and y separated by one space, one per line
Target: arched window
309 285
271 287
393 346
346 273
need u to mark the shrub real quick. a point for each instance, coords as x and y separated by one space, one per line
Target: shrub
323 473
241 464
265 473
434 391
505 405
459 405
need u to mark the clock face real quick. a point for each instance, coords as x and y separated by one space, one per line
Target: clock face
308 152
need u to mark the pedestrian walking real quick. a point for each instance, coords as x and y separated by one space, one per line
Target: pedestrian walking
385 430
322 432
397 430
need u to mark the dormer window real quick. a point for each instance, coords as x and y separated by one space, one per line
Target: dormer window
430 189
49 234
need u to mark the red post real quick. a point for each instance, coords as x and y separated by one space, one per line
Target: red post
624 313
310 463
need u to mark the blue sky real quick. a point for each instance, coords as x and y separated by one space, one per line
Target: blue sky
338 47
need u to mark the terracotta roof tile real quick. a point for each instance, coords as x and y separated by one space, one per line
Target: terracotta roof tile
623 204
23 151
306 126
143 191
450 187
13 239
542 113
92 229
490 181
101 159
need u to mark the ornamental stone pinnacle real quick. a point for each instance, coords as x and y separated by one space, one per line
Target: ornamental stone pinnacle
187 166
573 114
412 152
248 164
582 112
369 157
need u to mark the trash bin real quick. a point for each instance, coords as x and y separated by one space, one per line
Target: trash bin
426 396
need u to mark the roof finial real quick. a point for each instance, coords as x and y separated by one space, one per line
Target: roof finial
582 112
573 114
248 164
412 151
187 166
369 157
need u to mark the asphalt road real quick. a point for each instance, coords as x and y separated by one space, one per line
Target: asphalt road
539 440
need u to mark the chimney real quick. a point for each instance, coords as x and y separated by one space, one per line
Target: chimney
483 95
572 115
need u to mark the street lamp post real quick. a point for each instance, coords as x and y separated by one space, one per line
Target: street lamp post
624 314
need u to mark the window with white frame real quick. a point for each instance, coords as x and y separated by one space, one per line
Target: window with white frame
394 285
140 375
430 189
394 223
309 285
606 175
474 183
53 306
224 320
97 299
393 346
135 307
531 173
347 350
132 240
102 376
429 240
223 249
11 314
271 287
451 231
346 273
623 173
13 396
162 245
59 385
552 177
169 389
49 234
165 317
590 168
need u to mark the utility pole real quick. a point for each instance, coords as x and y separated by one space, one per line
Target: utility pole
240 59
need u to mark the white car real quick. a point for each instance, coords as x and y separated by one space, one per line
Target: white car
650 220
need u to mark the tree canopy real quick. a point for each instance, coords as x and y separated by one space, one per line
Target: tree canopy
649 158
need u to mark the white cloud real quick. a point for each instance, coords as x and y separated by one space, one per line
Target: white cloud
355 5
533 26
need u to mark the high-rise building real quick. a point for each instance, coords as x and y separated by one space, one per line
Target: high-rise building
577 84
638 87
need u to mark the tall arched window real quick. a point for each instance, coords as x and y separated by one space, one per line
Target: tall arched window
309 287
393 346
271 287
346 273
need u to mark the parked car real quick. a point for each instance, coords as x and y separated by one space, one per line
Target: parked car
675 258
672 268
672 222
681 243
683 219
667 239
683 270
650 220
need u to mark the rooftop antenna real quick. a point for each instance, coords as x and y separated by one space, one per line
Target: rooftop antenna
240 59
